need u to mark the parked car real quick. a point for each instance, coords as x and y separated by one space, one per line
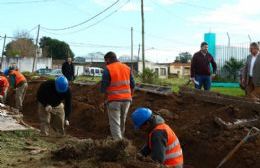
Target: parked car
43 71
55 72
93 71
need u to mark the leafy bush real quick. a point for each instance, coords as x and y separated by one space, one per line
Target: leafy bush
149 76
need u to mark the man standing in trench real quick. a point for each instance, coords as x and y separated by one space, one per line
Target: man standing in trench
117 84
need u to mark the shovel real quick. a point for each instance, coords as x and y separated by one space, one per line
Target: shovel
252 133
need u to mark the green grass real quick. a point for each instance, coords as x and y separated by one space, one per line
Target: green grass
175 83
87 78
229 91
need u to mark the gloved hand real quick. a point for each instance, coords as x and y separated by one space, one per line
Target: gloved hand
48 108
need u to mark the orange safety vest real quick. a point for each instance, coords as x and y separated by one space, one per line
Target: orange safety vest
119 88
173 155
18 77
4 82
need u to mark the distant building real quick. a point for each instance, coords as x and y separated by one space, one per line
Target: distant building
26 63
223 53
179 70
95 57
159 68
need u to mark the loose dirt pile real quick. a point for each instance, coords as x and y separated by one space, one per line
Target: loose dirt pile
204 143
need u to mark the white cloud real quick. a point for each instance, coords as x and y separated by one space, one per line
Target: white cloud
240 18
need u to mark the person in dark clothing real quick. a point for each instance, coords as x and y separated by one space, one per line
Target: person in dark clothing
162 144
200 68
68 70
50 96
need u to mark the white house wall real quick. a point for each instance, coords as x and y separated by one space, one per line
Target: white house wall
79 70
26 63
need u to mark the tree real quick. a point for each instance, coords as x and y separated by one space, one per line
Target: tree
183 57
22 45
55 48
232 67
149 76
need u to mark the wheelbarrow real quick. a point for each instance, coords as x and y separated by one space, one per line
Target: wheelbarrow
253 132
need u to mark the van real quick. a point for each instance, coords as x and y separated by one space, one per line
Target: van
93 71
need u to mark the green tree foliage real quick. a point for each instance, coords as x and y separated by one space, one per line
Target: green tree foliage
149 76
22 45
232 67
183 57
55 48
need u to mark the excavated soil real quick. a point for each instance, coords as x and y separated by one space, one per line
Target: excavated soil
204 143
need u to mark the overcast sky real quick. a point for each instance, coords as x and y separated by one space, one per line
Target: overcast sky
171 26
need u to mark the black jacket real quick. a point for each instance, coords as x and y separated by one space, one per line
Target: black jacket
47 95
68 71
200 64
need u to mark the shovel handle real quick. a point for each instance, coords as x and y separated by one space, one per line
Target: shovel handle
253 132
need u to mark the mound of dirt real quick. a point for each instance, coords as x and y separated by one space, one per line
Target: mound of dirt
204 143
107 153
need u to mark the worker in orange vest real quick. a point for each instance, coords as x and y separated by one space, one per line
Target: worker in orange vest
162 144
4 85
117 84
19 83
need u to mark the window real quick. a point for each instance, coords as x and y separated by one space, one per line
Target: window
92 71
156 70
162 71
97 71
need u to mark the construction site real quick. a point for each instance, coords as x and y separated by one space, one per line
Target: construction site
208 125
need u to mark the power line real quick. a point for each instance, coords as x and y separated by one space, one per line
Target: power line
85 28
101 20
32 29
79 24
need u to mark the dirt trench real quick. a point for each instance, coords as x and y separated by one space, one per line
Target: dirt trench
204 143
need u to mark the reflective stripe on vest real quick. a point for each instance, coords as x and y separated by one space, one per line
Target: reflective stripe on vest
173 145
119 83
173 153
119 91
119 88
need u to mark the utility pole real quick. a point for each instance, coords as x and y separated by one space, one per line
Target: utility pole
142 14
2 58
250 40
37 38
138 55
132 50
228 39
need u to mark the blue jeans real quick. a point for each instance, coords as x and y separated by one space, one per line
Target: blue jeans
203 80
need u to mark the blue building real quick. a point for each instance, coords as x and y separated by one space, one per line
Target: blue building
210 38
